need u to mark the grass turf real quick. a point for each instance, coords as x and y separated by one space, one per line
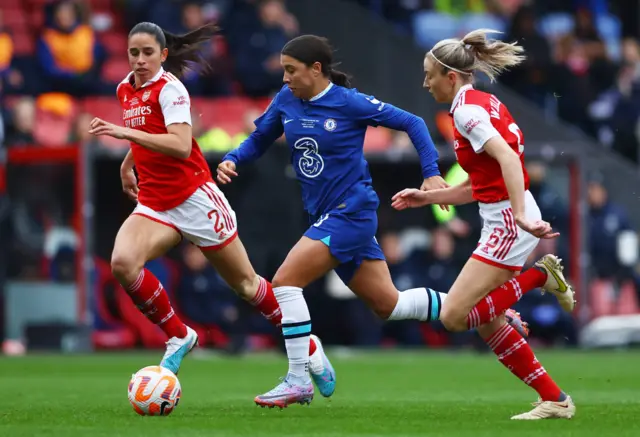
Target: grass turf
378 394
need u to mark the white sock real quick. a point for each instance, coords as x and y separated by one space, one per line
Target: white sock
418 304
296 328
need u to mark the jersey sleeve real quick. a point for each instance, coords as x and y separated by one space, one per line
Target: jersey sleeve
474 123
175 103
268 129
369 110
373 112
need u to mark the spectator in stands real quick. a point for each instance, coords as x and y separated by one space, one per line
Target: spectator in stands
606 222
69 54
22 123
9 77
256 36
530 79
204 297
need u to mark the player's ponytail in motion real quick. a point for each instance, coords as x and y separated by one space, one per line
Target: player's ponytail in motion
184 50
476 52
310 49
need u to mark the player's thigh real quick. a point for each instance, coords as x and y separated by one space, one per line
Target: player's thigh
139 240
372 283
233 265
475 281
307 261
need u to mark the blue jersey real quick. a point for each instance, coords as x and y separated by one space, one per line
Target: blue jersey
326 136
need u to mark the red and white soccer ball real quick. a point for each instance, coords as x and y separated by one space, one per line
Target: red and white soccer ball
154 391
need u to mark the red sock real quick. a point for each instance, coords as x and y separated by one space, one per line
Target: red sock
516 355
265 301
151 299
503 297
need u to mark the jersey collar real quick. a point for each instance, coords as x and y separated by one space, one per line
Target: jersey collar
150 81
325 91
456 99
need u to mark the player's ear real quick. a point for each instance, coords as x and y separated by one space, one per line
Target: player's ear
316 69
452 76
163 54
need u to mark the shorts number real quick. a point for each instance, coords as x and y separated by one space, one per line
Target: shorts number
218 226
320 220
514 129
494 238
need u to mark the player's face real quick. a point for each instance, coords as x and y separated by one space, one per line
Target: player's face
299 77
439 83
145 56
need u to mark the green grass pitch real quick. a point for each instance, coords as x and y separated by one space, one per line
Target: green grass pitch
378 394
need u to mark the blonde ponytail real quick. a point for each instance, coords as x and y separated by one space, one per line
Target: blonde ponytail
475 52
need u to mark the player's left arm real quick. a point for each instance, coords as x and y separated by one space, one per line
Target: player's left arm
376 113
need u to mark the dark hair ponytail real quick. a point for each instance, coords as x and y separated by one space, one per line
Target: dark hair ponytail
184 50
310 49
340 78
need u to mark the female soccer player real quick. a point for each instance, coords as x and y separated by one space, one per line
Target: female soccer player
489 147
325 123
175 191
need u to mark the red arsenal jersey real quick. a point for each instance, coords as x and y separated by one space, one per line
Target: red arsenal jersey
164 181
478 117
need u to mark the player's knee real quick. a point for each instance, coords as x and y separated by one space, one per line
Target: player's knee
383 309
247 287
125 268
453 319
283 279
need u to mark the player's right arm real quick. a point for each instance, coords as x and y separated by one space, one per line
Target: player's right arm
128 177
460 194
268 129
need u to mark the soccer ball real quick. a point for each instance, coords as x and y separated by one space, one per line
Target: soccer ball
154 391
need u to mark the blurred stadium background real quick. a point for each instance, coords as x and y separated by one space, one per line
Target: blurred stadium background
577 99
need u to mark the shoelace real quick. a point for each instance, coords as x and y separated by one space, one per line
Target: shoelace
172 346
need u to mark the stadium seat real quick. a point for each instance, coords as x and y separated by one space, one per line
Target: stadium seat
470 22
627 302
23 43
151 336
36 19
171 286
109 332
115 69
377 139
610 29
226 113
10 4
430 27
14 17
601 298
52 130
115 44
555 25
107 108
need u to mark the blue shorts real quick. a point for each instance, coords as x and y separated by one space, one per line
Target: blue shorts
351 238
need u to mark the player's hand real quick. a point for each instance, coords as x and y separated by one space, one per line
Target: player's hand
130 184
538 228
435 183
226 170
100 127
410 198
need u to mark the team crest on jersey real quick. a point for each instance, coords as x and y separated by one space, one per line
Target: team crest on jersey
330 124
146 95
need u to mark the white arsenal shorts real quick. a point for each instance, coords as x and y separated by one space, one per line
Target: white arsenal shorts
502 243
206 218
